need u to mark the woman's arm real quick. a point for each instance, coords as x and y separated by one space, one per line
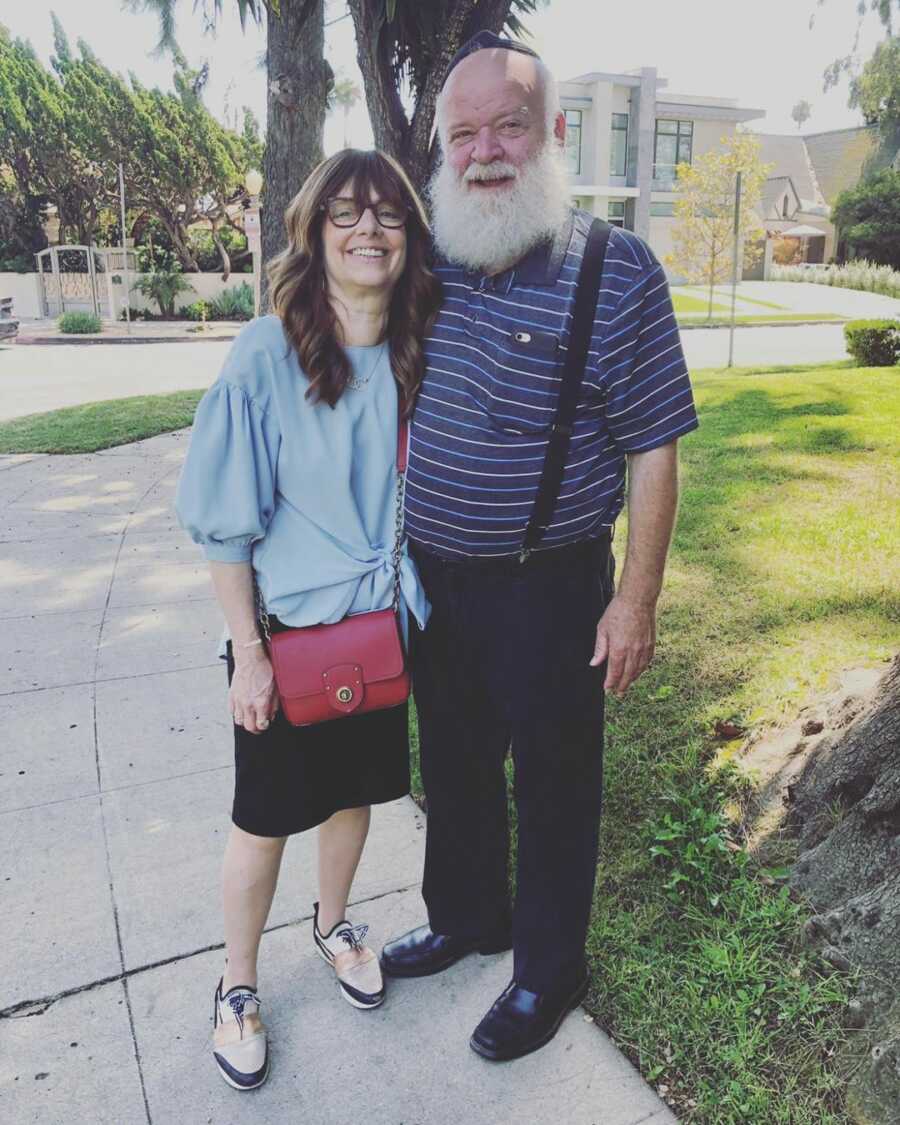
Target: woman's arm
253 697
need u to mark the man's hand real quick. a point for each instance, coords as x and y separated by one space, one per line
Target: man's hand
253 697
626 638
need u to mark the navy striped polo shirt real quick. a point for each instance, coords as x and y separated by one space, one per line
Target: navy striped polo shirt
494 365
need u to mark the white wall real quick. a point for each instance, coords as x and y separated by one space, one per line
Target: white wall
24 288
205 287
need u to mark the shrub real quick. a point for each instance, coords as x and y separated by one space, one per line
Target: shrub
137 314
867 276
163 285
873 343
199 310
233 304
79 323
20 263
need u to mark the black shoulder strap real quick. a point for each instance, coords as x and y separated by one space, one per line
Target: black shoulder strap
586 294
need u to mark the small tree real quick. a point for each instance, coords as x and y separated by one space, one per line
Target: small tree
868 217
704 212
801 112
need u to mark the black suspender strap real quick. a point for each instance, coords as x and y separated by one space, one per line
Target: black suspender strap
586 294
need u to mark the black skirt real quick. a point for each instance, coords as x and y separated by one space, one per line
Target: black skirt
288 779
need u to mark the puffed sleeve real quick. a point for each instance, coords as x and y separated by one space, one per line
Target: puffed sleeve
226 493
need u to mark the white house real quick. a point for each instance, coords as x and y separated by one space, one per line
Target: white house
625 134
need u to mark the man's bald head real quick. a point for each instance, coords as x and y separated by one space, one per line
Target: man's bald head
500 79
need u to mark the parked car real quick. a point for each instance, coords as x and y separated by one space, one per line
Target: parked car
9 326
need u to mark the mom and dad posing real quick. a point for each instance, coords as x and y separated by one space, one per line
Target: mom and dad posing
527 356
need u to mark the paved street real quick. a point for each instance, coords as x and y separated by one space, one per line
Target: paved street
818 343
115 783
34 379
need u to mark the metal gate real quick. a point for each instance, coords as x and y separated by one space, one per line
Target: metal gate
74 278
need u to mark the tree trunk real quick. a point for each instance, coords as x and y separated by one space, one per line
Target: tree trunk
712 282
298 82
223 253
844 809
410 140
179 239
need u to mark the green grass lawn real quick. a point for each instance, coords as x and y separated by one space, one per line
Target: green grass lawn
726 294
686 304
98 425
784 570
757 318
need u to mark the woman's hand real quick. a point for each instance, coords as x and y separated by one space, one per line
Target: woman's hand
253 696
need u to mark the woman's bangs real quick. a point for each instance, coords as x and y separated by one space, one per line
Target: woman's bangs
376 178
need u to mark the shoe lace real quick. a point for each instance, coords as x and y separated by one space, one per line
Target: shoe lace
238 1000
354 936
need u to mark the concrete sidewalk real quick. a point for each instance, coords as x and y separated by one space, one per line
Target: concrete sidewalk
115 785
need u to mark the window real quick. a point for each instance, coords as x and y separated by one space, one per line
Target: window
618 149
674 143
615 212
662 210
573 141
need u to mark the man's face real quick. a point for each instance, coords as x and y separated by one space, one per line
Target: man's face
493 113
500 188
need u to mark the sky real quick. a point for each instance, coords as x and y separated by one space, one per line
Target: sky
762 53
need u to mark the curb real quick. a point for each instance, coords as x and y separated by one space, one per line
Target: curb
766 324
99 341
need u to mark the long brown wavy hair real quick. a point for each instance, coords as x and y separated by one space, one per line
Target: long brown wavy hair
298 286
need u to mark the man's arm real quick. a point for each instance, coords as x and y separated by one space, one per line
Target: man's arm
626 633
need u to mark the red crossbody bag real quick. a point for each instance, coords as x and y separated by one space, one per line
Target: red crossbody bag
358 664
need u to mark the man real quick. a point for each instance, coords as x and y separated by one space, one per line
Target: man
521 645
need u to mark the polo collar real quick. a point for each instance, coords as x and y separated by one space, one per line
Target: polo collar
541 265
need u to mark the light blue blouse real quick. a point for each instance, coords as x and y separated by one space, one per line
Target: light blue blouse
304 492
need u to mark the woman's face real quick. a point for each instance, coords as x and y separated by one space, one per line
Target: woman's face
364 258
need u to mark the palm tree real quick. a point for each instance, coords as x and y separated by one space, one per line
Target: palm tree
346 94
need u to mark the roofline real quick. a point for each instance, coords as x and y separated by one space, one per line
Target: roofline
617 79
824 133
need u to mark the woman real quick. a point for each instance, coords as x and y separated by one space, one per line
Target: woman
290 486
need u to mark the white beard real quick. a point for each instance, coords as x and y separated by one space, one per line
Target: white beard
492 231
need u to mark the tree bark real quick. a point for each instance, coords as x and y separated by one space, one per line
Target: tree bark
410 140
844 808
298 82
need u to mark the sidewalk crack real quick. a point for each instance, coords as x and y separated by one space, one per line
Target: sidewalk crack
24 1009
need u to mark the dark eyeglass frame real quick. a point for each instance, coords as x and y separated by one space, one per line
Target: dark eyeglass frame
373 207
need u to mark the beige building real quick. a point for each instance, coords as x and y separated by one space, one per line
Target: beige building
808 173
625 134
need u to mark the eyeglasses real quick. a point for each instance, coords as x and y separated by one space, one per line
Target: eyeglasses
347 213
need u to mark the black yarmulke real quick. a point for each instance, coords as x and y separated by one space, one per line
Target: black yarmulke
487 40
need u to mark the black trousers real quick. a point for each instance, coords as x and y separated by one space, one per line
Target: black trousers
504 665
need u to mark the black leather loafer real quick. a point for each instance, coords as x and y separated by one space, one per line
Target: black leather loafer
421 952
521 1021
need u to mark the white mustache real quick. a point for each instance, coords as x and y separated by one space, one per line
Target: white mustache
486 172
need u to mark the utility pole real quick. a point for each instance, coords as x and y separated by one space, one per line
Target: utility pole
125 253
734 266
